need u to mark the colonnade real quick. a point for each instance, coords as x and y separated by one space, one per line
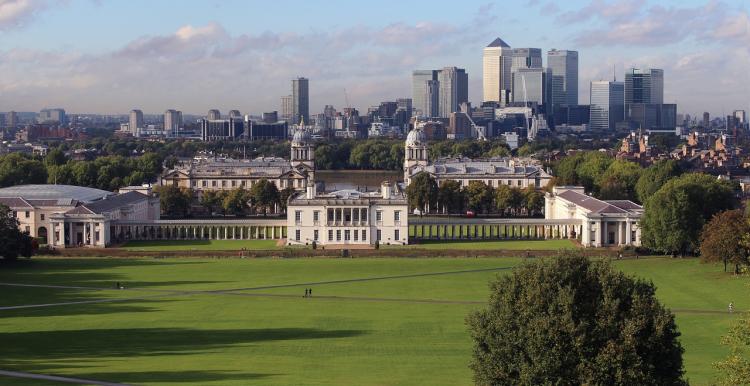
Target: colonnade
198 232
473 231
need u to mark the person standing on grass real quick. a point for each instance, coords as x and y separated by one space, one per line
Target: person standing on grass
310 292
731 307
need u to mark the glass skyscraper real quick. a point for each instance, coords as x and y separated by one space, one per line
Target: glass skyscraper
300 100
420 89
644 86
563 65
454 89
607 105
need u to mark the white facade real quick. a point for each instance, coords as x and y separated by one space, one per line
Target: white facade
497 61
603 223
348 217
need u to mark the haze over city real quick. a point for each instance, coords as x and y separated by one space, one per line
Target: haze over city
109 57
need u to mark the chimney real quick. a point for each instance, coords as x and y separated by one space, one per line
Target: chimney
385 189
310 191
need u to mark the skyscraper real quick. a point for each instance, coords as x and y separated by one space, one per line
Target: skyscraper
607 105
172 122
419 79
235 114
563 77
300 100
644 86
135 122
529 85
213 115
11 119
51 116
431 99
405 104
287 108
496 72
523 58
454 89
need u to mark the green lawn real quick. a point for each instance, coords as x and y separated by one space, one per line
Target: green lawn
517 245
380 331
199 245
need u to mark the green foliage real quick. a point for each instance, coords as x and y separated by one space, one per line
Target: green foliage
619 180
735 368
264 195
479 196
533 200
55 157
422 192
13 242
451 198
583 169
674 215
654 177
284 196
174 201
724 238
17 169
211 200
572 321
236 202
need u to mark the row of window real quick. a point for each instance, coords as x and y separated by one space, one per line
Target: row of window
496 183
245 183
346 215
348 235
27 214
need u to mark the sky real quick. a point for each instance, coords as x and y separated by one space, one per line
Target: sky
111 56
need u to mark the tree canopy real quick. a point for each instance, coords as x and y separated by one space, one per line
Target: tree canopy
422 192
572 321
264 195
724 239
13 242
174 201
653 177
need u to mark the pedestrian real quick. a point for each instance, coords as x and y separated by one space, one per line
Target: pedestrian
731 307
117 285
310 292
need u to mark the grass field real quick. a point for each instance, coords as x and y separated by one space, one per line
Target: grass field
199 245
404 324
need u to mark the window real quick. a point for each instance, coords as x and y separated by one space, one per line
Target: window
297 216
223 183
194 183
213 184
41 216
364 235
396 235
356 235
28 229
397 215
347 235
27 214
204 183
380 236
338 235
315 235
316 216
519 182
330 215
379 216
297 234
355 214
330 235
363 214
242 184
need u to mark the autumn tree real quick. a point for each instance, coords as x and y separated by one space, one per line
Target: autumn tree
724 239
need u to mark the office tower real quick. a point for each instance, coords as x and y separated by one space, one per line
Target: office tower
300 100
287 108
235 114
706 119
497 61
135 122
11 119
419 82
454 89
644 86
740 116
213 115
405 104
51 116
172 122
523 58
431 99
607 105
529 85
563 79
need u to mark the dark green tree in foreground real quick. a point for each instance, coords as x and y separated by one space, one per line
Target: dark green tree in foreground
174 201
735 368
422 192
13 242
570 321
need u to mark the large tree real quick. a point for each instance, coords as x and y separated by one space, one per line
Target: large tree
533 200
13 242
422 192
724 239
674 216
174 201
569 321
451 198
479 196
619 180
236 202
264 195
654 177
735 368
284 195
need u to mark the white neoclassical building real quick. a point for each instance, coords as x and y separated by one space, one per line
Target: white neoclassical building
348 217
603 222
515 172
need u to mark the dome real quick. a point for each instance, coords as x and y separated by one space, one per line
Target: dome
300 138
416 137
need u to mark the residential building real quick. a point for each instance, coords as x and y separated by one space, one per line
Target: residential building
135 122
11 119
497 60
172 123
52 116
607 105
563 65
603 222
300 100
287 107
349 217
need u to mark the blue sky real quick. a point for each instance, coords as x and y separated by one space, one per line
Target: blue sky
110 56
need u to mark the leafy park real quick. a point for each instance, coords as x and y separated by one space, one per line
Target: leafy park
245 321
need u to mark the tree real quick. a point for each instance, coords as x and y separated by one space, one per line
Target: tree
55 157
13 242
16 169
619 180
211 200
422 192
515 200
451 198
236 201
674 216
264 195
723 239
533 200
502 198
284 196
479 196
654 177
735 368
572 321
174 201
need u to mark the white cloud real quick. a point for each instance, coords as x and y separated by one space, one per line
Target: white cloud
14 13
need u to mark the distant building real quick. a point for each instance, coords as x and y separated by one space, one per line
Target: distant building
607 105
644 86
300 100
460 126
405 104
431 99
172 123
349 217
213 115
135 122
425 87
222 129
454 89
268 128
11 119
659 117
287 108
497 60
529 85
563 77
55 116
235 114
706 120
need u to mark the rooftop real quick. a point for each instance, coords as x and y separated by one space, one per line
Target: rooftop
596 205
498 43
55 192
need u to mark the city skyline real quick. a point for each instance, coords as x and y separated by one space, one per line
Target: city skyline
202 57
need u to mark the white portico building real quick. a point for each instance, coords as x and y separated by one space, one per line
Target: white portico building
603 222
348 217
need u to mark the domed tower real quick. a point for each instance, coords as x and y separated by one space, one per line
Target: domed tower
303 151
416 152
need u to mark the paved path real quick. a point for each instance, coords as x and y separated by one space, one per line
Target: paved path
55 378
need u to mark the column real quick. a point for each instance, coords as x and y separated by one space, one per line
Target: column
628 232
